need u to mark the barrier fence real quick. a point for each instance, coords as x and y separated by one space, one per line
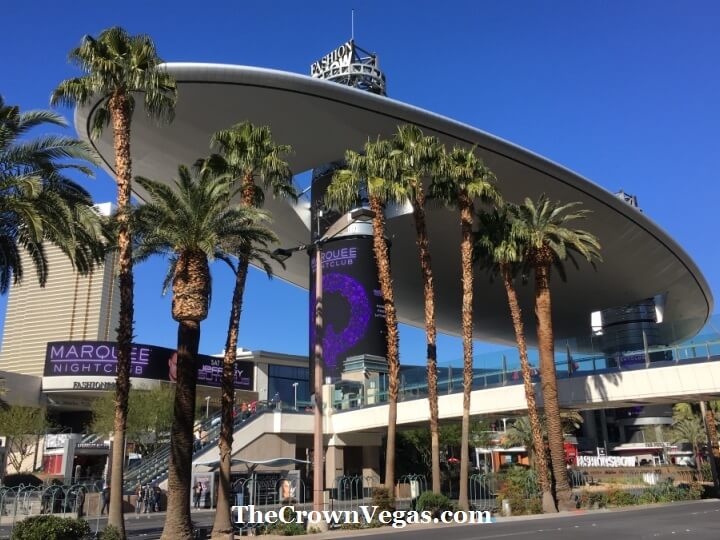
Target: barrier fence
76 500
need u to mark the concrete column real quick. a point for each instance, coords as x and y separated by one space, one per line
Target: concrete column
589 428
603 426
371 465
334 465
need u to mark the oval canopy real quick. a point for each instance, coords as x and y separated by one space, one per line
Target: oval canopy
321 120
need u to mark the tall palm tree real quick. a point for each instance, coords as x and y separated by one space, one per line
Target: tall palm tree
501 251
463 178
118 67
371 170
248 156
549 241
38 203
192 223
415 157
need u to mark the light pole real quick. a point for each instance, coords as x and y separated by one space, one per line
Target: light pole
207 407
359 214
295 385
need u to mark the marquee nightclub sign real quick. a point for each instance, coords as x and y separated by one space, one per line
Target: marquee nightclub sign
340 57
81 359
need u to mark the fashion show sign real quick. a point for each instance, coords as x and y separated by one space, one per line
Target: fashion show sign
340 57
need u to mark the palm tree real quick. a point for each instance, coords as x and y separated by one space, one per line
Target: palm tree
38 203
689 430
118 67
246 155
499 250
414 157
371 170
520 433
461 179
543 227
192 223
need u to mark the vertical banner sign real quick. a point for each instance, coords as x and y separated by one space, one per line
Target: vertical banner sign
353 308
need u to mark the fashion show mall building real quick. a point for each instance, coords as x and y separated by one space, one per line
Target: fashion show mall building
646 297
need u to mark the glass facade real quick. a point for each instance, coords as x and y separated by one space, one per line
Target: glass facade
281 379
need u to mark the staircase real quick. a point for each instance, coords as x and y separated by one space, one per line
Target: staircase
153 469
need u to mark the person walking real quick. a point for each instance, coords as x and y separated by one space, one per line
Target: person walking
197 493
148 498
105 499
138 498
80 502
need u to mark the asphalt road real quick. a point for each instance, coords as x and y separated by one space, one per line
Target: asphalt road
698 520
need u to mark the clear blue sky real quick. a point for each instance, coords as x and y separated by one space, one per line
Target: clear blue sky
625 93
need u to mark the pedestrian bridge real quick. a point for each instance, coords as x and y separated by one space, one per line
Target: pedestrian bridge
678 374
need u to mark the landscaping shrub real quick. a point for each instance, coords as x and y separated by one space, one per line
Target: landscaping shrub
21 479
51 528
433 503
517 485
285 529
110 533
382 498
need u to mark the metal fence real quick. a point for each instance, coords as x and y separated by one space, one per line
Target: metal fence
20 502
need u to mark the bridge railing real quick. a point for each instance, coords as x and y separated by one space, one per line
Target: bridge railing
568 364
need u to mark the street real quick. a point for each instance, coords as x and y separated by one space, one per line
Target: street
698 520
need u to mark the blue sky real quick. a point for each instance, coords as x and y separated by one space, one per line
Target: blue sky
625 93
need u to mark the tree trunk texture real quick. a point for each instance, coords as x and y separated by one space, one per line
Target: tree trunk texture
423 244
222 526
538 441
191 287
382 259
546 346
178 525
120 113
467 334
712 429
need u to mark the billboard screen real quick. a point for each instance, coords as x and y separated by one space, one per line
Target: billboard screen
99 358
353 308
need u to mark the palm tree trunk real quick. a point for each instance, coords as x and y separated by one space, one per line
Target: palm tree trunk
177 522
382 259
423 244
546 346
222 526
120 113
539 458
712 430
467 330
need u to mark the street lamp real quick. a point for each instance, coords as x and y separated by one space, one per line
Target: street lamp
207 406
295 385
358 214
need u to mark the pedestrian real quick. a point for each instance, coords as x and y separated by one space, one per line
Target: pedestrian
197 493
105 499
148 498
138 498
243 410
80 502
158 494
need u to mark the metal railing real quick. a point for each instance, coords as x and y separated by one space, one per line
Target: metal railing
20 502
567 366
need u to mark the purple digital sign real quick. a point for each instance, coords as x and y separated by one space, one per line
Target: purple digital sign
99 358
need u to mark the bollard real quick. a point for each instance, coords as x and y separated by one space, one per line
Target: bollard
506 510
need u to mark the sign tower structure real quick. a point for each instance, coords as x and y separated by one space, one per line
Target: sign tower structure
353 308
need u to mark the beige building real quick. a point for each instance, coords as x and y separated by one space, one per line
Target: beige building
69 307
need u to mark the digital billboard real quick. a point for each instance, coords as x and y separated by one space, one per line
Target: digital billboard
353 308
83 359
